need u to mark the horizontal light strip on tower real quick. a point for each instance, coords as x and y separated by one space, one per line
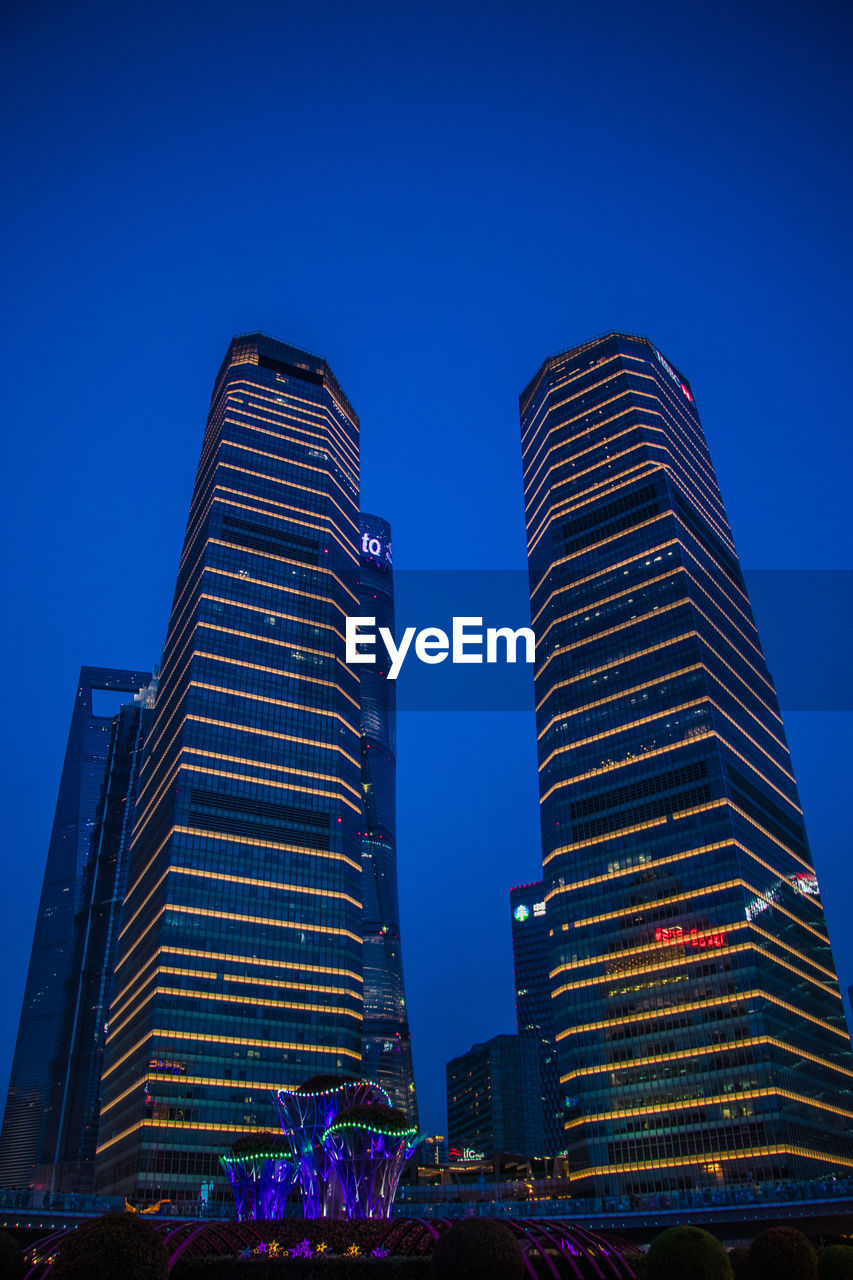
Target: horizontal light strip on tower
279 885
299 787
216 1081
740 997
285 484
661 1107
323 444
187 993
303 521
745 1153
672 746
230 958
652 863
307 407
677 449
276 671
197 1036
700 1051
738 948
288 463
139 985
653 960
251 763
273 702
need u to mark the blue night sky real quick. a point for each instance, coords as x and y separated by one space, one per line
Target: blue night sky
435 197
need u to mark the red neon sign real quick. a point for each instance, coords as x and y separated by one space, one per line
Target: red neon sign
693 938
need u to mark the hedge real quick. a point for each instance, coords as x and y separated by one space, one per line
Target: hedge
477 1249
119 1246
12 1265
688 1252
835 1263
782 1253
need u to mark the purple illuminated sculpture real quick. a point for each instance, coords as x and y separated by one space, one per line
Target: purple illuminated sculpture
262 1171
367 1147
306 1114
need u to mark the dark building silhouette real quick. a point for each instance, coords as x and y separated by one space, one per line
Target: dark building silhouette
76 1081
494 1099
29 1124
699 1024
386 1043
240 953
530 958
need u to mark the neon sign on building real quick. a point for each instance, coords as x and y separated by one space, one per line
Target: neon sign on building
695 938
669 369
373 546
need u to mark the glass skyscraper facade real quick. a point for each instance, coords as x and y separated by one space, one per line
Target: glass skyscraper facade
386 1042
75 1096
699 1024
493 1099
240 954
27 1140
535 1018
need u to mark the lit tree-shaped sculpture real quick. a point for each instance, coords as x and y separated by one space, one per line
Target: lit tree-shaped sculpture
367 1147
306 1113
262 1171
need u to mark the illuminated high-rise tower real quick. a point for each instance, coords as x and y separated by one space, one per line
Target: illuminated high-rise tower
387 1047
240 956
699 1025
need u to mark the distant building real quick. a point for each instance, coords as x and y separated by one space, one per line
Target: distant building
701 1034
76 1084
494 1099
434 1150
530 951
386 1042
27 1139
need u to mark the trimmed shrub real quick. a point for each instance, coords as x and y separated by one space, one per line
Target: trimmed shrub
12 1265
117 1245
256 1144
687 1251
477 1249
835 1263
739 1258
323 1084
639 1265
782 1253
388 1119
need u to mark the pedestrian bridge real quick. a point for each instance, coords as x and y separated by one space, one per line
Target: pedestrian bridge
821 1208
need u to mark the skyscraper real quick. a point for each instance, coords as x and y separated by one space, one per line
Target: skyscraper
240 954
386 1043
700 1029
75 1097
494 1105
535 1018
26 1140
